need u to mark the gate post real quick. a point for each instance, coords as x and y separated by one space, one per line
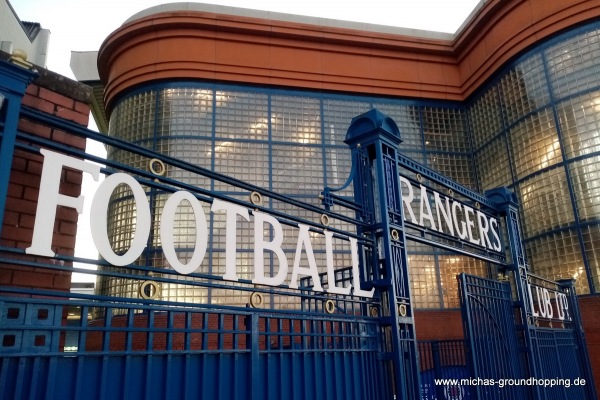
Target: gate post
374 139
507 203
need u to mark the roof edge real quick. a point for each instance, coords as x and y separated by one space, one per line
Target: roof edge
285 17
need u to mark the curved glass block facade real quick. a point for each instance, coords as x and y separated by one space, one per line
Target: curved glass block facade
534 128
540 119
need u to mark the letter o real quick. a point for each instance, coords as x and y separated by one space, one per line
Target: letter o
99 219
167 232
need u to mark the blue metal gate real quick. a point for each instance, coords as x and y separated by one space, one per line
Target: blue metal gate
317 337
493 344
504 365
557 343
139 351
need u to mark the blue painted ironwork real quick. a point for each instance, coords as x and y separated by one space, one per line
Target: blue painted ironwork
358 348
490 329
137 350
507 201
582 363
432 180
553 345
556 333
545 359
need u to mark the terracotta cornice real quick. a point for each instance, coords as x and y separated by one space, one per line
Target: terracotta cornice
239 49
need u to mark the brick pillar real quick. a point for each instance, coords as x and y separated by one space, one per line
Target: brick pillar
588 307
67 99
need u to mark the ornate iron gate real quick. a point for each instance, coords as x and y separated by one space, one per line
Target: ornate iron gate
529 344
553 365
345 330
558 349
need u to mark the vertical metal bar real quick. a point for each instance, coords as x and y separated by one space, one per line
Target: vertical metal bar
128 349
51 379
82 332
105 349
13 83
80 372
4 377
169 392
7 146
104 378
256 392
437 367
35 376
467 315
20 378
319 368
187 369
149 358
222 383
107 329
170 327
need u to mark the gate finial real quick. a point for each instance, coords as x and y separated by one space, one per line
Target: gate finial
364 126
502 196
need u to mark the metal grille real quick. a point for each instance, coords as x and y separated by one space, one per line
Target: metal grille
172 352
439 360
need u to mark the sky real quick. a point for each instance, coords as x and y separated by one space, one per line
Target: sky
86 23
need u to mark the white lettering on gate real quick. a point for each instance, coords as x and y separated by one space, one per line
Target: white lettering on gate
275 246
167 221
49 198
233 210
99 223
545 301
453 217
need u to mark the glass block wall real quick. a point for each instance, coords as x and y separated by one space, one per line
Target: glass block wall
534 128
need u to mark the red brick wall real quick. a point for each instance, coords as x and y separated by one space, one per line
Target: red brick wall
17 227
117 341
447 324
206 332
438 324
590 315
